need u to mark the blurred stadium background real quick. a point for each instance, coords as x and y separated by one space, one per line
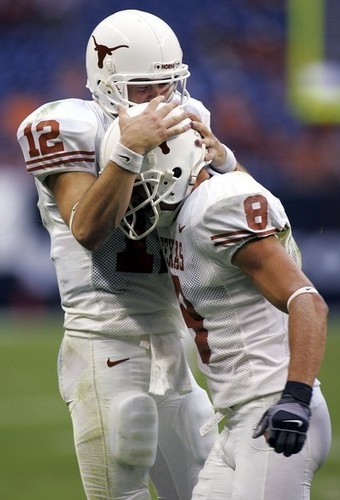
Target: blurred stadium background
270 74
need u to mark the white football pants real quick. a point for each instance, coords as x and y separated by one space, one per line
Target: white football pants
242 468
123 434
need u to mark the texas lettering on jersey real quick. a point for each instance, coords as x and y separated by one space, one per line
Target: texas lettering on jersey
173 253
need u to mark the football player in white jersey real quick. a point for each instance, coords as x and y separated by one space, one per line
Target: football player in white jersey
134 404
257 320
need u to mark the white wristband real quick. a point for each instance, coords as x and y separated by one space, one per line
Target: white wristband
229 163
127 159
304 289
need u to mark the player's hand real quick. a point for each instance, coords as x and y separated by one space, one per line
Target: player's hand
215 151
285 425
154 125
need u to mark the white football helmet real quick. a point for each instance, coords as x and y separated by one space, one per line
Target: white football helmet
136 48
167 176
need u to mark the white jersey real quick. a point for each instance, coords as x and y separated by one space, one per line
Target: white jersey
123 288
241 337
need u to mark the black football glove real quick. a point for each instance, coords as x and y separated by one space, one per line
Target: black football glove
286 423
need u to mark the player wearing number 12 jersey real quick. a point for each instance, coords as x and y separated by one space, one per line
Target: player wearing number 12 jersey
134 404
122 370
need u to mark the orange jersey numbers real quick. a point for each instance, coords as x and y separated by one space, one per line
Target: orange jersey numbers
256 210
42 138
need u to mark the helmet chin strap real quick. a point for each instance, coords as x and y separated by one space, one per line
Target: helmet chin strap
167 217
196 170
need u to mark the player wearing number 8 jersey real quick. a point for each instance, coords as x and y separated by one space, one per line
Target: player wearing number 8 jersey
235 265
218 219
134 404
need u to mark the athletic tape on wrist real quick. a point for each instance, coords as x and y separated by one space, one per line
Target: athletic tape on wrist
127 159
229 163
299 391
304 289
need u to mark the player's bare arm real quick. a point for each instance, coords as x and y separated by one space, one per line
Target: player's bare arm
277 276
98 204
